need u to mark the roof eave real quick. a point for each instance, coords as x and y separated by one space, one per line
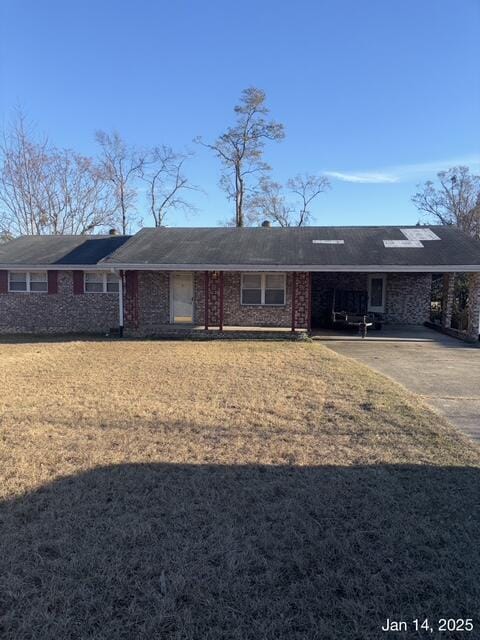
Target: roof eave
295 267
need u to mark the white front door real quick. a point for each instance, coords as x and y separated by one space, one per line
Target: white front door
181 299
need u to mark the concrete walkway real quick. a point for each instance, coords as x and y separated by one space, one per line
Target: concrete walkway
443 370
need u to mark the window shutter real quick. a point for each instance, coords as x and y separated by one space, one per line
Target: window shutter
52 281
3 281
77 282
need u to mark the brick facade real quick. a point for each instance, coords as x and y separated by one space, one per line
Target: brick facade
408 298
147 303
447 299
57 313
473 329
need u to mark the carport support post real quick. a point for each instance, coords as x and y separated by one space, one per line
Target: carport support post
120 303
294 295
220 312
309 302
447 299
473 312
206 281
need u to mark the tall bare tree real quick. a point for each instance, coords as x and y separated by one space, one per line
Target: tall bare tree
455 200
270 202
240 148
80 200
306 188
121 165
22 177
45 190
167 183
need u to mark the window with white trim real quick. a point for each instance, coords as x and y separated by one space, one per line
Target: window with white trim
263 289
376 292
100 282
27 281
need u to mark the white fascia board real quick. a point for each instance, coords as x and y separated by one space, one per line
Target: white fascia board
59 267
367 268
303 267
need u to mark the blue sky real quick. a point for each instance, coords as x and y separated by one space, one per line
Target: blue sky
380 94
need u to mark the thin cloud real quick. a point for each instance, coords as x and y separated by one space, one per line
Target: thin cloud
362 178
404 172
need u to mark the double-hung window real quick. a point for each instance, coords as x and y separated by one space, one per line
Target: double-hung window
101 282
28 281
263 289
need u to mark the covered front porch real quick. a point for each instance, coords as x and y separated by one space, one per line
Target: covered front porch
181 303
187 302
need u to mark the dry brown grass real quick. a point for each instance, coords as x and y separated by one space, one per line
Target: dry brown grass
225 490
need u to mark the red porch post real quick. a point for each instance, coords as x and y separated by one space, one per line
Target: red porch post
309 302
294 295
220 311
206 299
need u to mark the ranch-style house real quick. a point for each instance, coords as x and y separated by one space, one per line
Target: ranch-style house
218 278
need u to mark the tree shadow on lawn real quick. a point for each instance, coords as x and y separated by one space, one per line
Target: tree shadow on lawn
171 551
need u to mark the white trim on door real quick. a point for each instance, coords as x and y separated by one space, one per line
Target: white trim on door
377 276
185 318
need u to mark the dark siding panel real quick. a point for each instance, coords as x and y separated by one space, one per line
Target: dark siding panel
3 281
77 282
52 281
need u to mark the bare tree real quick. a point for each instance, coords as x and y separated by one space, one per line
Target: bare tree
163 172
269 202
121 165
80 200
44 190
240 149
306 187
454 201
22 178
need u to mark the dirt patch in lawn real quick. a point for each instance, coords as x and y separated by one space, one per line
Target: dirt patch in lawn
225 490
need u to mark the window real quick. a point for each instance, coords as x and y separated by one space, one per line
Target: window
28 281
101 282
112 283
274 288
263 288
252 288
376 293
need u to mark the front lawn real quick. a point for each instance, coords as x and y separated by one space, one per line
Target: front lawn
243 490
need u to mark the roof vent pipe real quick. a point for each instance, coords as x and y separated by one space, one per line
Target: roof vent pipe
266 223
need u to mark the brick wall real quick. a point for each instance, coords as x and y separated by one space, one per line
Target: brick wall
61 312
473 305
153 299
407 302
408 298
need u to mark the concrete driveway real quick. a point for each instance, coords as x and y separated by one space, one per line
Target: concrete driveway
444 371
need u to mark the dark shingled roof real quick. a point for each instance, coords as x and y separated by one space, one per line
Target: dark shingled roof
253 247
58 250
284 247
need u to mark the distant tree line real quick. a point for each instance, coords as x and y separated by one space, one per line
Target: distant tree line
48 190
453 200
